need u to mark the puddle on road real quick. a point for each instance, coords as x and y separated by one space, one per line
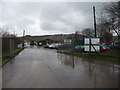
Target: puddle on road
101 73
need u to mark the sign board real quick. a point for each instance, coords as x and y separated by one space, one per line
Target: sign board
67 41
92 44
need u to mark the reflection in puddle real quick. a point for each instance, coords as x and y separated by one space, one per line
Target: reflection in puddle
73 61
67 60
100 73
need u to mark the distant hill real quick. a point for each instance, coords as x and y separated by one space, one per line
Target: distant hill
58 37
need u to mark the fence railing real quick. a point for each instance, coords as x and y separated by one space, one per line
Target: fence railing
9 45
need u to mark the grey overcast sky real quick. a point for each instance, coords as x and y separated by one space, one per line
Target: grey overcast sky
44 18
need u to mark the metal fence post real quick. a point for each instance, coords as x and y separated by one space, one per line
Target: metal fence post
11 47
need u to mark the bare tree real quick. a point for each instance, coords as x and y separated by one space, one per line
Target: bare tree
6 34
104 31
109 22
112 13
88 32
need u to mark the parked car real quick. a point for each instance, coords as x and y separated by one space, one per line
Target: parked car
104 48
57 45
60 46
79 48
107 44
46 46
115 45
52 46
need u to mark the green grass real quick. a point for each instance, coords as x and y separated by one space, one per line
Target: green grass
6 57
111 53
6 53
0 60
96 56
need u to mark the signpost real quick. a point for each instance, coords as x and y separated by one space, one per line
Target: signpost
92 44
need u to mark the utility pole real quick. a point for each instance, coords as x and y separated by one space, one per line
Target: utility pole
23 38
13 32
94 21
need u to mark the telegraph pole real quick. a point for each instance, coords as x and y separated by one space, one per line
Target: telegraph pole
94 21
23 38
13 32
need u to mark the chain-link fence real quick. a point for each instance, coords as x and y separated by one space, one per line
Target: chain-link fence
73 46
9 45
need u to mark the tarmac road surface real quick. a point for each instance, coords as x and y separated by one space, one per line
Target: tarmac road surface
37 67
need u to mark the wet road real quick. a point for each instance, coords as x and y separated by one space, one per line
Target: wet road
45 68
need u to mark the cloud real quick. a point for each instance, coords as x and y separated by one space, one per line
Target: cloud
40 18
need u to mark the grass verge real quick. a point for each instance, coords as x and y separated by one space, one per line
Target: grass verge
94 56
6 58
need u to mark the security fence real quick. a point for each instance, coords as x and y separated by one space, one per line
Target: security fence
73 46
9 45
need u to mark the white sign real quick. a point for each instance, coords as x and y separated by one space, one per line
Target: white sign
94 46
67 41
93 40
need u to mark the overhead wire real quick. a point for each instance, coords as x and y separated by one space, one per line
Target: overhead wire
86 11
